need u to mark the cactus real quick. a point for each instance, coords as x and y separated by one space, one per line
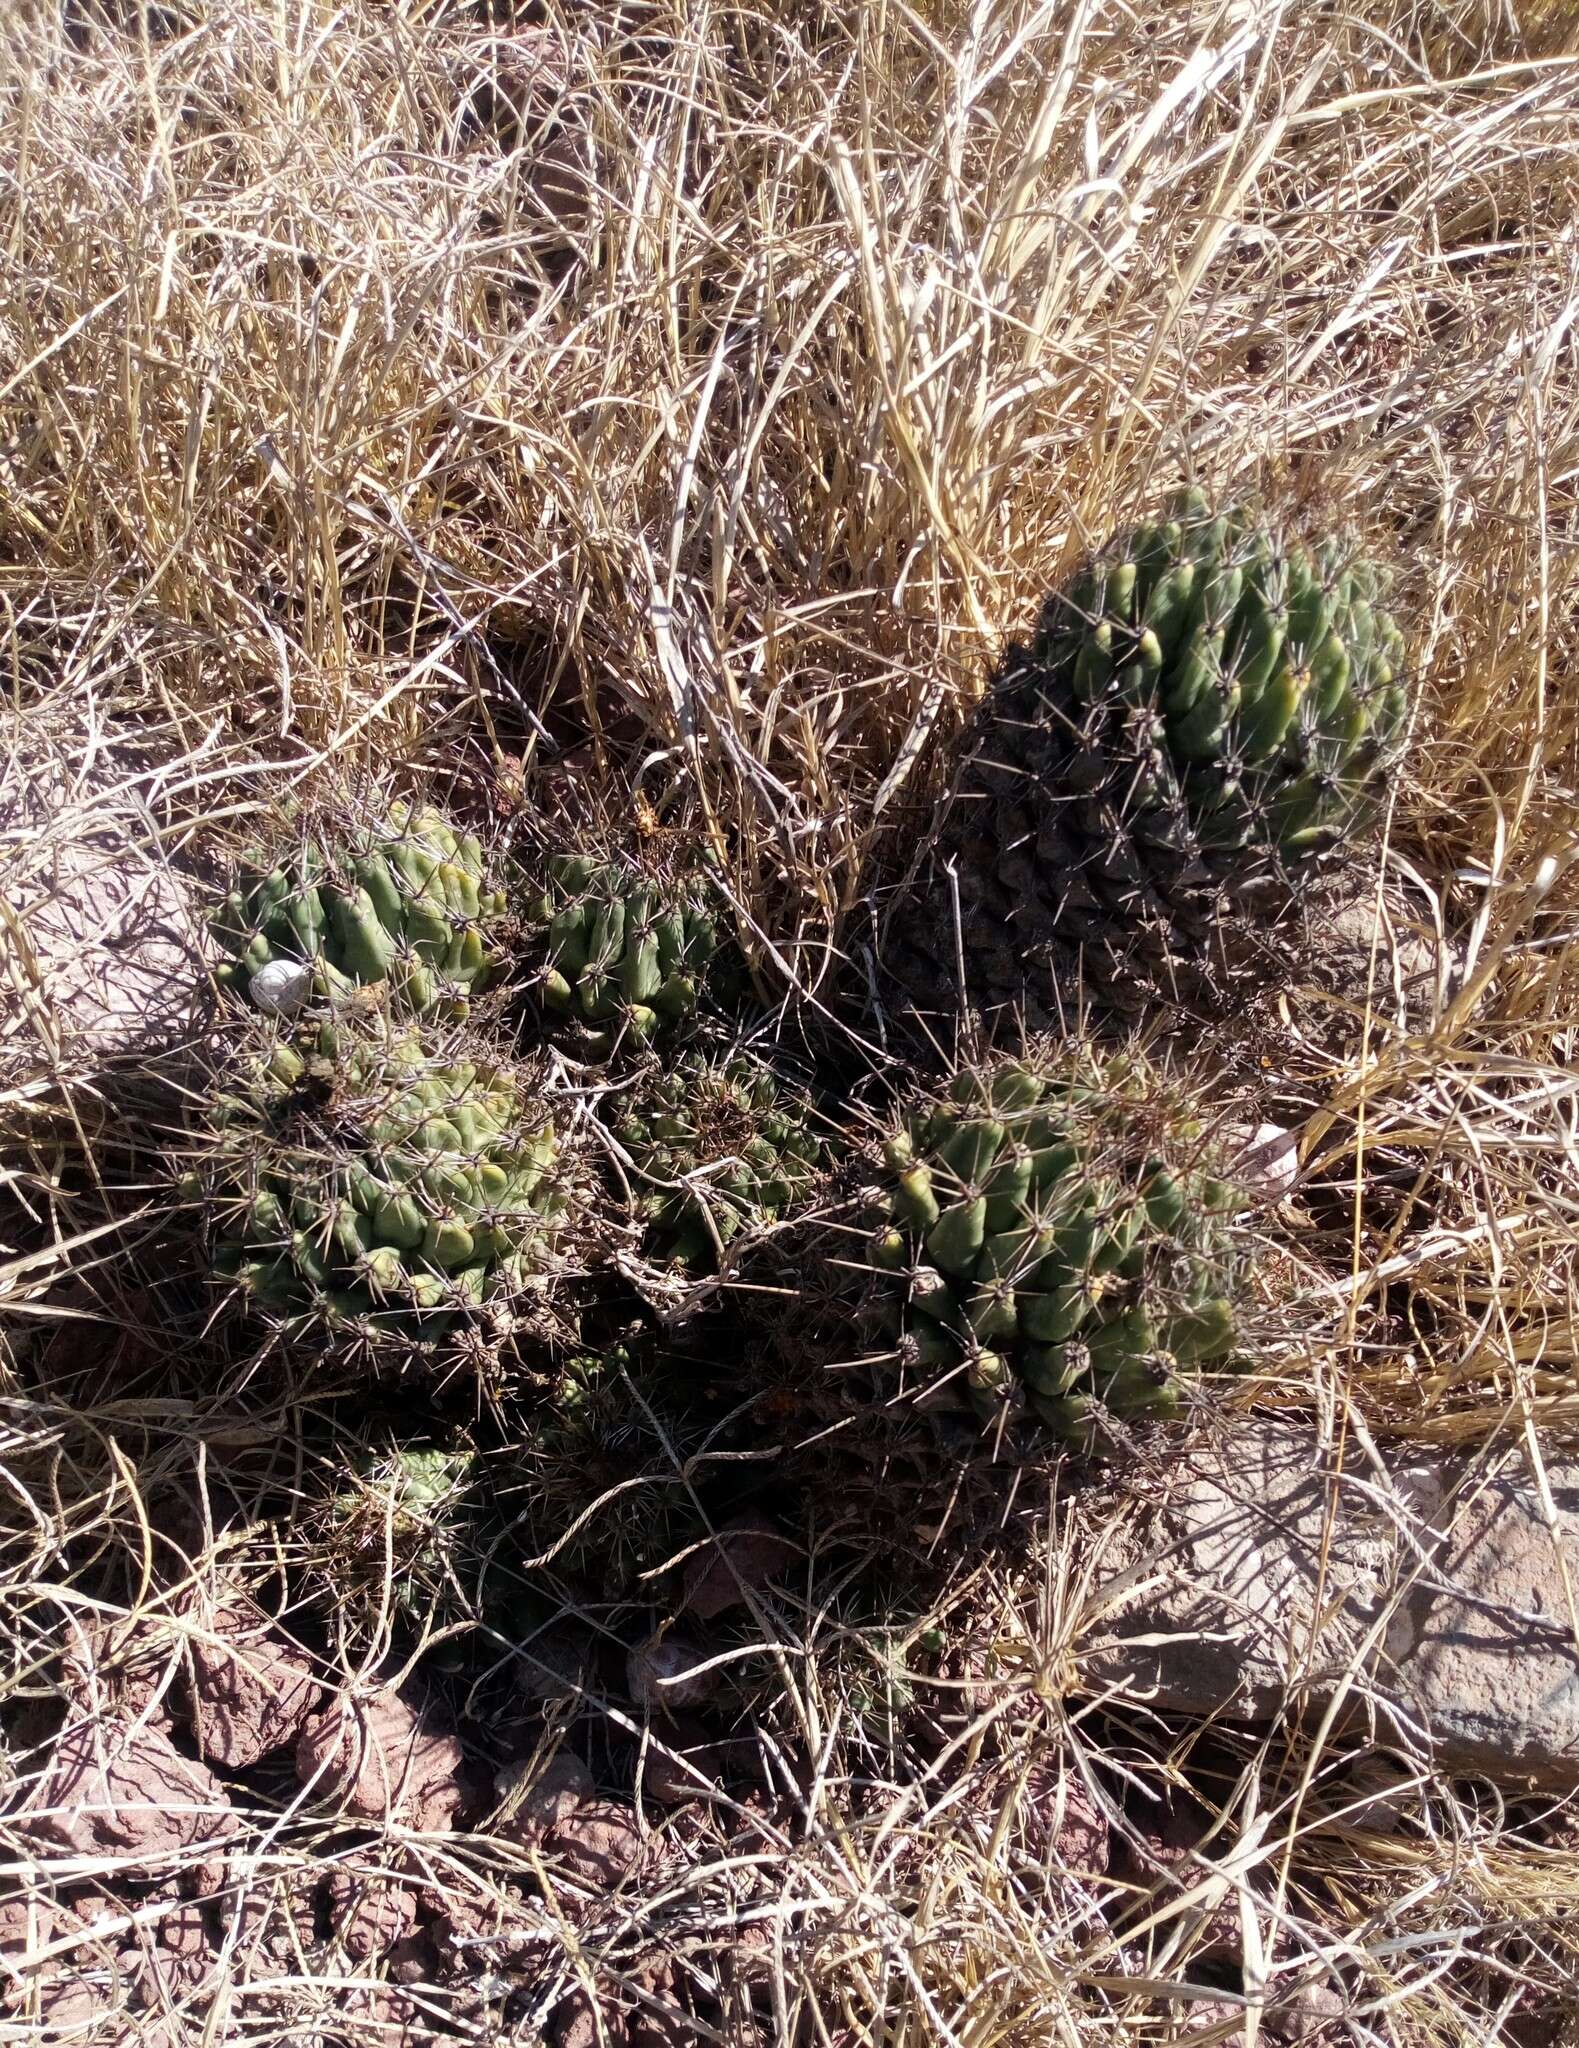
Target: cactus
366 1177
719 1150
400 1524
624 953
1207 711
1055 1234
405 901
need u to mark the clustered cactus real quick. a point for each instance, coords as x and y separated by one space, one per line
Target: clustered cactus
1056 1232
404 901
364 1175
719 1149
624 953
1206 713
1206 710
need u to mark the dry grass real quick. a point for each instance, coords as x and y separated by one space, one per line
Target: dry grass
689 400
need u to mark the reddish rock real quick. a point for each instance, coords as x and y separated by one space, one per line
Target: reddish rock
124 1794
1210 2023
380 1759
740 1559
174 1957
119 1665
369 1912
538 1799
52 1963
251 1690
597 1846
646 2013
1060 1822
1162 1858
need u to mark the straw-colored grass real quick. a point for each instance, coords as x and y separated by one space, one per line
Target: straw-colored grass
672 407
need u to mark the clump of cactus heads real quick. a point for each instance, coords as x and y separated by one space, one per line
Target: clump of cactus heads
401 1525
624 953
719 1150
1208 709
404 901
368 1176
1057 1235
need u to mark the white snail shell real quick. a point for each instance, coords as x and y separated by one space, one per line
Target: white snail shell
281 987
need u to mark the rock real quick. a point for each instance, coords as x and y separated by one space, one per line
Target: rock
125 1795
265 1921
598 1845
538 1799
173 1958
1258 1578
102 953
65 1988
647 2012
251 1690
1264 1160
1411 965
1482 1647
740 1559
380 1759
1060 1822
665 1673
119 1665
680 1762
369 1911
1306 2015
1209 2023
553 1664
280 988
1215 1586
1163 1858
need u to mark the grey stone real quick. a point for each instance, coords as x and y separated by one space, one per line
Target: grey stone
101 953
1256 1577
1484 1643
1212 1593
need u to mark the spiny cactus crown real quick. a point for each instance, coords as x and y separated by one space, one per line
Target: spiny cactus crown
404 901
1250 687
1058 1234
625 953
364 1175
719 1150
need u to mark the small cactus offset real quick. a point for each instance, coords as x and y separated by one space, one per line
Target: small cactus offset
367 1177
1206 710
1056 1233
624 954
719 1150
401 1523
405 901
